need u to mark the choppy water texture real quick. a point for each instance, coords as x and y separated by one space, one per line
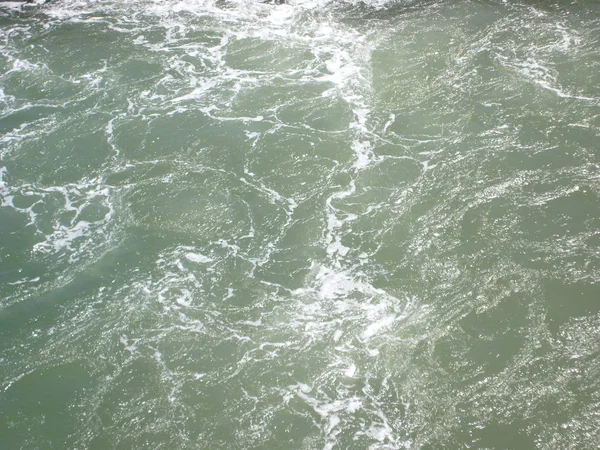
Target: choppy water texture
323 225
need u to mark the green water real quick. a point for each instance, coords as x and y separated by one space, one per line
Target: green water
322 225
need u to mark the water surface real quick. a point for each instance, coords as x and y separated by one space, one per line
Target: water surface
322 225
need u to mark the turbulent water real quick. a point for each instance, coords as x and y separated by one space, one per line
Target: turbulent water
320 225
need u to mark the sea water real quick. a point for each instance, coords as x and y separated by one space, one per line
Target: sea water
321 225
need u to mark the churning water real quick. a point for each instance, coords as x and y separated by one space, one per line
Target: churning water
320 225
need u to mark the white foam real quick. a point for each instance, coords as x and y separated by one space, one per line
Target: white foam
350 372
3 186
364 154
77 235
198 258
328 409
542 75
335 284
376 327
131 348
25 280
